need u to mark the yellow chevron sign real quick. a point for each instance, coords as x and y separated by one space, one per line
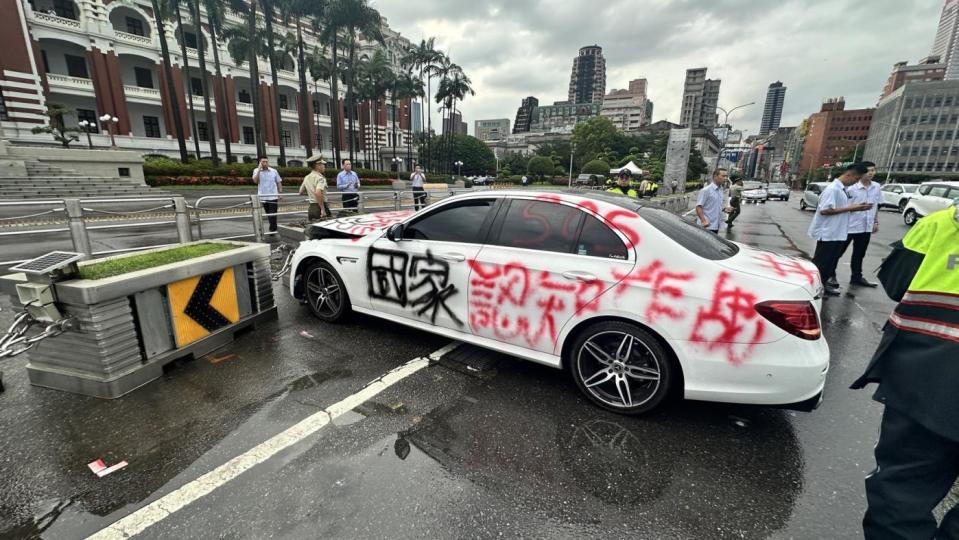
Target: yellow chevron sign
202 304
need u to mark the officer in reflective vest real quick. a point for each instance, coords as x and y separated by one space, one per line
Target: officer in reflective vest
622 186
917 368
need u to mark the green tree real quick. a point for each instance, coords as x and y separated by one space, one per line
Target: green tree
215 17
56 126
454 86
173 9
299 10
194 9
374 78
514 162
477 158
596 166
247 45
425 58
593 137
540 166
697 166
322 68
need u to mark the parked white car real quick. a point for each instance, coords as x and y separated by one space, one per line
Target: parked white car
754 192
632 301
810 197
778 191
897 195
930 197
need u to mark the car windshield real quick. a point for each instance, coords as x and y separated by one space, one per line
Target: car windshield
910 189
752 185
696 239
777 186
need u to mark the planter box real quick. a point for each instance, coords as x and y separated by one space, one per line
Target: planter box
132 324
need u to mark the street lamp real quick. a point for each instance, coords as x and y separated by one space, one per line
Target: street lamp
86 126
459 168
396 163
726 123
110 121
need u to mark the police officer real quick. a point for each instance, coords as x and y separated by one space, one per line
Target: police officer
622 186
917 368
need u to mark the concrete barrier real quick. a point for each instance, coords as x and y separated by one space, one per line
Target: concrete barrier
129 326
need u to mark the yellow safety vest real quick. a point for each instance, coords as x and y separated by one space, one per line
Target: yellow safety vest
630 193
936 236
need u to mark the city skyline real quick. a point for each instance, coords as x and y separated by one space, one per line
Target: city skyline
532 52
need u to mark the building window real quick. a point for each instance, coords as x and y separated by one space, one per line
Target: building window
284 101
929 135
202 132
287 138
923 119
189 39
144 77
90 116
64 8
937 102
134 26
948 102
196 86
76 66
248 137
151 125
244 97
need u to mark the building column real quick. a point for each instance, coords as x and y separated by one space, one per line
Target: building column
108 87
305 114
271 131
166 101
344 144
226 108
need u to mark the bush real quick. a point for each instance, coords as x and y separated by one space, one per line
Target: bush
597 166
202 172
159 181
540 166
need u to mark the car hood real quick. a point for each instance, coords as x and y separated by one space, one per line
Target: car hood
757 191
784 268
362 225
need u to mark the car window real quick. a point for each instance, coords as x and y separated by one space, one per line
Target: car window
897 189
924 190
539 225
696 239
814 188
910 189
457 222
598 240
752 185
777 186
938 191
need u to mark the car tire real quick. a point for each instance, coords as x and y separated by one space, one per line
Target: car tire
902 205
325 293
620 367
910 217
803 205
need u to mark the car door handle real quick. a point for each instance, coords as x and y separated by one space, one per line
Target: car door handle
579 276
453 257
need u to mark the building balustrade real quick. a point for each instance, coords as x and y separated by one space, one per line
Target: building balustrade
133 38
66 81
56 20
139 91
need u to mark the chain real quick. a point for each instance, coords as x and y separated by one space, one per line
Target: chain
16 341
277 270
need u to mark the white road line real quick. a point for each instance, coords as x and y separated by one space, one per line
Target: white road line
165 506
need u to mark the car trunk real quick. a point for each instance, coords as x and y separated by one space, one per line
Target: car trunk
782 268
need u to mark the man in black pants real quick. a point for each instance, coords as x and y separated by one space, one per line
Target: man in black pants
862 224
268 186
830 225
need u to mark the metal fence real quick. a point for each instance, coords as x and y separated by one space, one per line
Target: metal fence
187 220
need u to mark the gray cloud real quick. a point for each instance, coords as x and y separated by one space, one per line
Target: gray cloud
817 48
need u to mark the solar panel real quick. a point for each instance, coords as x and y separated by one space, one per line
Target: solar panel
45 264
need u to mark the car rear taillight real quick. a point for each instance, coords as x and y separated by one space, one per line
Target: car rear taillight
794 316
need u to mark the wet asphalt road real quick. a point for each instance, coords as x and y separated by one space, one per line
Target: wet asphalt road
481 447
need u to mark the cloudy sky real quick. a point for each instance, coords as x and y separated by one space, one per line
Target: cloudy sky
817 48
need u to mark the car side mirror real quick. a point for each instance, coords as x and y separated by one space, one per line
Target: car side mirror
395 232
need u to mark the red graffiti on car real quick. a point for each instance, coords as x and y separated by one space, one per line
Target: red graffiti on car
786 267
731 323
664 285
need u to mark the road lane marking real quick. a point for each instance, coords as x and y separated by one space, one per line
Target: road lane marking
170 503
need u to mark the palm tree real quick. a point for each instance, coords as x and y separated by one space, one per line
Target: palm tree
322 68
214 20
171 88
360 19
299 10
454 86
405 86
246 45
269 13
332 23
174 8
425 58
375 80
194 6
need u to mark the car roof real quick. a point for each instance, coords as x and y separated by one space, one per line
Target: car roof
617 200
950 183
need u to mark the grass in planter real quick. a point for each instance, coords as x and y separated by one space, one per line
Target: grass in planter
143 261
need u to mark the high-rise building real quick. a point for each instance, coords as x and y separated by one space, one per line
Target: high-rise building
587 82
459 126
491 130
524 115
913 128
649 112
946 44
773 109
930 68
416 109
832 131
626 109
562 116
700 99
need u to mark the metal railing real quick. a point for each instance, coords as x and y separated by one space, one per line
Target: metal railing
174 211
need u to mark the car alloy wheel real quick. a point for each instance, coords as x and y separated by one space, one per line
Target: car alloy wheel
802 205
325 293
910 217
620 367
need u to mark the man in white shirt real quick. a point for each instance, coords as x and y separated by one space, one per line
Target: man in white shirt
830 225
418 182
268 184
862 224
709 204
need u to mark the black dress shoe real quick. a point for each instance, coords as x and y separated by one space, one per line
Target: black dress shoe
862 282
832 282
831 292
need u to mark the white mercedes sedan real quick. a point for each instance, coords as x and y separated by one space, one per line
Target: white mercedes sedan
632 301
